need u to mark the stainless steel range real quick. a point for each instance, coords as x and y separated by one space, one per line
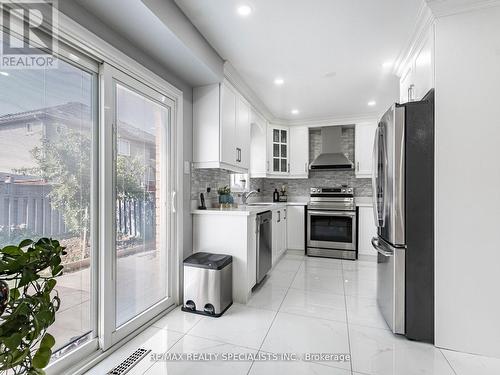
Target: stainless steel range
331 223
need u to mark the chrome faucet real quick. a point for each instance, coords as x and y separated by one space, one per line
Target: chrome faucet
245 196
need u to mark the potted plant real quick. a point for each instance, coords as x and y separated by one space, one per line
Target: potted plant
28 304
225 197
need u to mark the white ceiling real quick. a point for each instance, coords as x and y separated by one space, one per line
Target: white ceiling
135 21
304 42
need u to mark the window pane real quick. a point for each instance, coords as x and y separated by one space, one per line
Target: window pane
283 136
276 165
283 151
283 165
276 150
276 135
140 196
46 131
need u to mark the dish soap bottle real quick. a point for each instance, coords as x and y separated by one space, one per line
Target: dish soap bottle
276 196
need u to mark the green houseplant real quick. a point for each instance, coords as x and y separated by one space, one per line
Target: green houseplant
29 270
225 198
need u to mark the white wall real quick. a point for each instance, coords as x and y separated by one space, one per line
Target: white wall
468 182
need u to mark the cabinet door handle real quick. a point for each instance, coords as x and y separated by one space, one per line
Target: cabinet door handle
267 165
288 167
236 154
305 168
279 216
357 166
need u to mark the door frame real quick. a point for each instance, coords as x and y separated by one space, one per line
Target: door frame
84 41
109 333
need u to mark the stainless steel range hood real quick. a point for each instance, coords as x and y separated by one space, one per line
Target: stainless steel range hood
331 157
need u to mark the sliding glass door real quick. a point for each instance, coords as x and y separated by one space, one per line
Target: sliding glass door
137 232
48 128
87 158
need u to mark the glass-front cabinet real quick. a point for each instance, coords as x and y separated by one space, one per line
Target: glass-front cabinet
278 157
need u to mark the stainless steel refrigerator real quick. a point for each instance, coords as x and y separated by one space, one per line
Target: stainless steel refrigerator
403 195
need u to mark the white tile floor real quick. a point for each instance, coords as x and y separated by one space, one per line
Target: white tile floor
306 305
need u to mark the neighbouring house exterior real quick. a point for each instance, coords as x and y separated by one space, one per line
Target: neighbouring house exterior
25 204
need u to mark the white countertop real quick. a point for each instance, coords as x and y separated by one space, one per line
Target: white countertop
253 210
248 210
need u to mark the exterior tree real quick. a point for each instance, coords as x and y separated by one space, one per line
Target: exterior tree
65 164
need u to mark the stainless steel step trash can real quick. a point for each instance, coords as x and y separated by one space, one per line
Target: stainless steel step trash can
208 283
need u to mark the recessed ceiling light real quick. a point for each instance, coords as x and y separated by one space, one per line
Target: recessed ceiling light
4 74
388 64
330 74
372 103
244 10
279 81
295 111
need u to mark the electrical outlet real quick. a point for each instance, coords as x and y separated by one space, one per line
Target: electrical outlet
187 167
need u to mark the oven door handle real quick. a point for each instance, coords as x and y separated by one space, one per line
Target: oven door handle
331 213
382 248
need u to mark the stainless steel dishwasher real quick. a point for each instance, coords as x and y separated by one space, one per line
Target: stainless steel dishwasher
264 244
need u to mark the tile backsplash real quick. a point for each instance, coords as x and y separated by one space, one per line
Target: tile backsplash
215 178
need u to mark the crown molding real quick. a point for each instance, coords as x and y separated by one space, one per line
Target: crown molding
328 121
237 81
425 21
443 8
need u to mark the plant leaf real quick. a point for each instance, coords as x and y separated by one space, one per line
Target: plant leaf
12 250
51 283
57 270
41 357
13 341
48 341
26 242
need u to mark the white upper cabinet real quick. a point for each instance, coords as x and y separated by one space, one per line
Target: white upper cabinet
278 152
221 128
288 151
364 137
258 146
228 148
243 133
418 76
424 71
299 152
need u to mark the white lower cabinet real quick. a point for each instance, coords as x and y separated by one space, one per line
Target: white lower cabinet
367 231
295 228
279 233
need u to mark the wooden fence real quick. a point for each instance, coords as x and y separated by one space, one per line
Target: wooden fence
28 207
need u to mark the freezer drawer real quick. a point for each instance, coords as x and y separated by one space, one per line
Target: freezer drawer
391 284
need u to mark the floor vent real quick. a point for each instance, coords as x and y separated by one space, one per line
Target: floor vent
130 362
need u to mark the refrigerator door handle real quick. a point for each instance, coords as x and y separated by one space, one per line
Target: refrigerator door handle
382 248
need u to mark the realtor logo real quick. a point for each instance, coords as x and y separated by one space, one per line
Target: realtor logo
28 36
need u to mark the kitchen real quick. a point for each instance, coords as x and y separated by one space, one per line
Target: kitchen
252 187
